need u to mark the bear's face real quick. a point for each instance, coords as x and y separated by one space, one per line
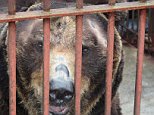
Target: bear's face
62 64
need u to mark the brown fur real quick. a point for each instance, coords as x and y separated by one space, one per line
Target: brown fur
30 62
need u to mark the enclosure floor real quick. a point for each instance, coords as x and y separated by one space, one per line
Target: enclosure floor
128 84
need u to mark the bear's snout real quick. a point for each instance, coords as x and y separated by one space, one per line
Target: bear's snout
61 86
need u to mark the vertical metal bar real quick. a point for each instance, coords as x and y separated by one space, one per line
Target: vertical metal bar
46 28
78 58
11 7
78 64
110 44
79 4
140 54
109 64
12 59
12 67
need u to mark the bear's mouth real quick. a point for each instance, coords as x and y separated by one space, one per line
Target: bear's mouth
58 110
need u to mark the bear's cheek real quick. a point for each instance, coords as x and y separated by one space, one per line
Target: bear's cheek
85 84
37 81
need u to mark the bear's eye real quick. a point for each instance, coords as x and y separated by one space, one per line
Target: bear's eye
39 45
85 49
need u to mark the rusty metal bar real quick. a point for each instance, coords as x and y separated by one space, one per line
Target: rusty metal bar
78 63
109 64
79 4
46 28
78 58
11 7
12 68
140 54
12 59
73 11
110 45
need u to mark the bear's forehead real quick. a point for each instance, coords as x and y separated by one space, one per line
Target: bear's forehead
63 31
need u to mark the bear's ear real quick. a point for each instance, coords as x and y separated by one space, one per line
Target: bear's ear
98 32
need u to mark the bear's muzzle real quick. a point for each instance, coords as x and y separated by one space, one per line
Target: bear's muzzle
61 90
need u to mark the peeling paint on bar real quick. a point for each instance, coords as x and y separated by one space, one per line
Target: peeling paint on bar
46 28
12 59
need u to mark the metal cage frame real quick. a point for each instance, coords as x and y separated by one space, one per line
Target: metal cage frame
77 11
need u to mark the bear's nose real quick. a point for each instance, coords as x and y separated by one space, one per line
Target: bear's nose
61 86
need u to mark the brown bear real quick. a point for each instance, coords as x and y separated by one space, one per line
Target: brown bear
29 41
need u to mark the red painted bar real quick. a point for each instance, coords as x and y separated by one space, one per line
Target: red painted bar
78 58
79 4
12 67
46 28
110 48
109 66
12 59
78 63
46 5
11 7
46 65
72 11
140 54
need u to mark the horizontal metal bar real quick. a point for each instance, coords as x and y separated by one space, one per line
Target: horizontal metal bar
73 11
